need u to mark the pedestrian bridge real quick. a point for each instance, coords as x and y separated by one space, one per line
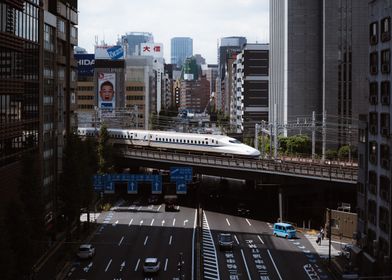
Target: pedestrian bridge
253 169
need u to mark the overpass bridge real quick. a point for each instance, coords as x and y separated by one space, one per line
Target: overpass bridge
261 170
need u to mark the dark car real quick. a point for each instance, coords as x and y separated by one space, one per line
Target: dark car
243 210
172 207
225 241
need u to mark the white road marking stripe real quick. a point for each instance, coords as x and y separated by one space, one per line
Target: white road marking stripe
130 222
174 221
262 242
137 264
152 222
166 264
277 271
227 221
119 243
107 267
246 266
236 239
159 207
170 239
145 240
248 222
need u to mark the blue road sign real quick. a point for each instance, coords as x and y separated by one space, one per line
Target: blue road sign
181 173
181 187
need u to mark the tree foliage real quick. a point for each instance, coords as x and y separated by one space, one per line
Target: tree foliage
105 152
296 144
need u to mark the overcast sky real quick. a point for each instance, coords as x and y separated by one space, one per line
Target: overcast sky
205 21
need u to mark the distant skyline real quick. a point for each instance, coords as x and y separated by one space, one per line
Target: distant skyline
204 21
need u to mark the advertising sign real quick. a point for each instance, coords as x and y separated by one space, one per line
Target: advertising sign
106 90
152 49
86 64
109 52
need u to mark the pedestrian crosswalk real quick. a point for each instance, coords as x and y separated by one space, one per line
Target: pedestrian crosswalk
322 249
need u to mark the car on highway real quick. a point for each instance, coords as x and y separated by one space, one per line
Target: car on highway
169 207
225 241
86 251
243 210
285 230
151 265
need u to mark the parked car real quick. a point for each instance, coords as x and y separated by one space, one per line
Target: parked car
86 251
151 265
225 241
169 207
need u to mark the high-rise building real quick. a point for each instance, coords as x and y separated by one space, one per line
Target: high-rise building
37 85
318 64
375 149
132 40
181 49
228 49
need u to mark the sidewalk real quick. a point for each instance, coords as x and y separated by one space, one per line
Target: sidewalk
323 249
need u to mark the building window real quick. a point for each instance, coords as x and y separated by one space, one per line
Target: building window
373 63
373 93
373 182
373 123
361 188
384 124
385 29
372 212
385 188
362 135
385 92
384 219
373 152
373 30
384 156
385 61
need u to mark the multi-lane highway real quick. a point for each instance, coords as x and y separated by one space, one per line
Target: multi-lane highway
128 234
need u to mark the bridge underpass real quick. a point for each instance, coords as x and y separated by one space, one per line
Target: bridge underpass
289 182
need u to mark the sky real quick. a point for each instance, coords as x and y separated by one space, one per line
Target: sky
205 21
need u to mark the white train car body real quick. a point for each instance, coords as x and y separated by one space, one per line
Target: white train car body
201 143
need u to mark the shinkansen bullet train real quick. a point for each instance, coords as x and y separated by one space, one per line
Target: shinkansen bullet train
198 143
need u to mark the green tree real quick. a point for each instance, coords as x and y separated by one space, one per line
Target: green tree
105 152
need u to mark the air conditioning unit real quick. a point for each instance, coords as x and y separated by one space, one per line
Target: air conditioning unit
373 39
385 68
385 37
385 99
373 69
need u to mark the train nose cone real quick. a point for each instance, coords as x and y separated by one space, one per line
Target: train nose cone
254 153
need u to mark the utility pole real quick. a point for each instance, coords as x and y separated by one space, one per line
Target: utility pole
275 134
313 134
256 134
330 235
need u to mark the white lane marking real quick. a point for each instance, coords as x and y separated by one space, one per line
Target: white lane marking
107 267
159 207
87 268
163 222
130 222
248 222
141 222
152 222
261 240
185 222
137 264
165 264
277 271
246 266
174 221
236 239
119 243
122 266
170 239
140 208
115 223
193 245
145 240
227 221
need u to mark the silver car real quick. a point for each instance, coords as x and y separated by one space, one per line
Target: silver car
151 265
86 251
225 241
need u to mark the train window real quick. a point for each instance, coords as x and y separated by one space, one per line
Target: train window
216 141
187 141
202 142
212 140
199 142
235 141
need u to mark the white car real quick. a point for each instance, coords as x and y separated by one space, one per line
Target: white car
86 251
151 265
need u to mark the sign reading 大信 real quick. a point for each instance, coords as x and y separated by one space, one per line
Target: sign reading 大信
86 64
109 52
